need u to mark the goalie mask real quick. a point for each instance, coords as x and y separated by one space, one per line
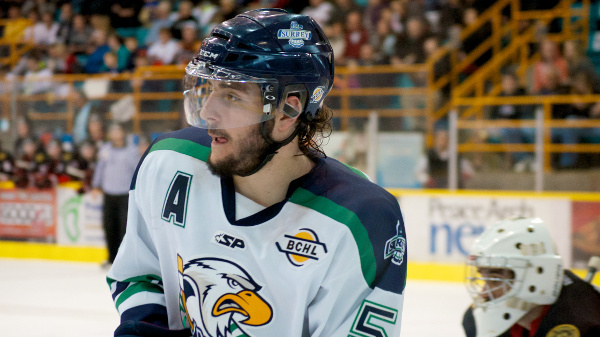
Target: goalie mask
249 65
512 268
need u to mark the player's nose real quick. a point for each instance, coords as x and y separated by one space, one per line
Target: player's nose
210 111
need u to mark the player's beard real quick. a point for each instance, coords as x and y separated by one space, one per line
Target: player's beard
248 155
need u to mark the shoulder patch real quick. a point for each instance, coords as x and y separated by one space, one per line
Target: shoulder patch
564 330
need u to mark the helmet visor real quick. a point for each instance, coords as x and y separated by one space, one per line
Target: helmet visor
218 98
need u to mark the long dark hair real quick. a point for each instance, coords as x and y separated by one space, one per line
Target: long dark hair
312 133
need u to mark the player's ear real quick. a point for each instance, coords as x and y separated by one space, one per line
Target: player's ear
291 111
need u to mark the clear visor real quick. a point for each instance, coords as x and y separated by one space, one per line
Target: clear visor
217 98
489 279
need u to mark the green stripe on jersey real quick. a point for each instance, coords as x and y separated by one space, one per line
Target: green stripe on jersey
141 278
350 219
357 171
137 288
182 146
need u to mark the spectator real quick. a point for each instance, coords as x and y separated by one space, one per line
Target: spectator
432 169
337 39
578 62
40 6
441 68
60 62
115 42
204 12
182 18
355 36
510 88
55 165
100 25
82 167
95 60
96 130
384 41
470 16
14 29
398 16
189 45
341 10
37 77
65 22
44 32
451 16
110 64
161 20
319 10
409 46
83 108
78 37
7 165
116 163
163 51
550 57
27 163
124 13
372 14
131 43
228 9
551 84
582 85
24 130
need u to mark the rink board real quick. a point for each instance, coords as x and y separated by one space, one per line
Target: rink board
440 228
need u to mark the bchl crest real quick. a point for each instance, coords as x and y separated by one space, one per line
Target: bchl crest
395 247
218 298
302 247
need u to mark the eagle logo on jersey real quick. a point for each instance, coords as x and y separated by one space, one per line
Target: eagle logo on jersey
396 246
301 247
218 298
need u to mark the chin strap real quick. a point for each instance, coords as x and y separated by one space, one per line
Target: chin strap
274 146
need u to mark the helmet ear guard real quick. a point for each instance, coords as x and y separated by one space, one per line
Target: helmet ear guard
298 90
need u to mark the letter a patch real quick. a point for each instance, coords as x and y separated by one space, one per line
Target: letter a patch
175 205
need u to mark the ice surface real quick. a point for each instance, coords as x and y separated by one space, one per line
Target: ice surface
65 299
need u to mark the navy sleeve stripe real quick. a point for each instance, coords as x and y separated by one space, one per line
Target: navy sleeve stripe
151 313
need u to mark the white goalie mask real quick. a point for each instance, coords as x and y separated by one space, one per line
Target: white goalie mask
512 268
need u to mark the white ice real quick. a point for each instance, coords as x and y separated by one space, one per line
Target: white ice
61 299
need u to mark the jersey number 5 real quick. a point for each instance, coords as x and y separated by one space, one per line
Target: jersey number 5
365 323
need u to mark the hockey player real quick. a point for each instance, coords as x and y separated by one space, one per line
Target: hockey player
520 289
240 226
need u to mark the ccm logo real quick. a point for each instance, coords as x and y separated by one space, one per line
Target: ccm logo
208 54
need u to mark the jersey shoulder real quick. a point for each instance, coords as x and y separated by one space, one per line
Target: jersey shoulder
191 141
352 189
371 214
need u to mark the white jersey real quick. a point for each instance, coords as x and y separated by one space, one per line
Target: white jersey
329 260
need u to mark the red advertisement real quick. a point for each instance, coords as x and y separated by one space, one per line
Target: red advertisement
28 214
586 231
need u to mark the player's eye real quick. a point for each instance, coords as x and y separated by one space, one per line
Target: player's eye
233 98
232 283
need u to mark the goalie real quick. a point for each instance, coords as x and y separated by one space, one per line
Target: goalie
520 289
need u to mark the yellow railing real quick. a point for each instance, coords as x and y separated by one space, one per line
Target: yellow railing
548 123
174 74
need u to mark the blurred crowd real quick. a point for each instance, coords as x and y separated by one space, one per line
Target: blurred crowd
45 161
85 36
117 36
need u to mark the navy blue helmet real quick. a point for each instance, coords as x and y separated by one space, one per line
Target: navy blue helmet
280 52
